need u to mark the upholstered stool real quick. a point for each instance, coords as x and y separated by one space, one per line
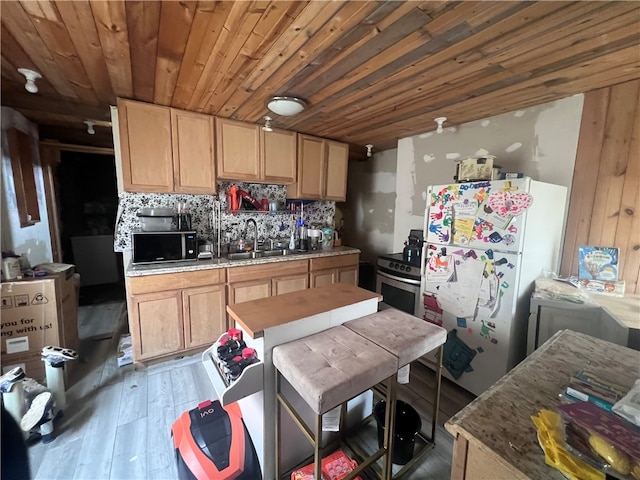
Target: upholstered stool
328 369
407 338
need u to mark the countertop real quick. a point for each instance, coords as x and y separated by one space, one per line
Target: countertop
625 309
258 315
499 421
196 265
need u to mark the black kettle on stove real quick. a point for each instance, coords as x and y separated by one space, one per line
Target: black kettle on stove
412 250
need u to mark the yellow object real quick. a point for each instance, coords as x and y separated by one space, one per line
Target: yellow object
549 425
618 460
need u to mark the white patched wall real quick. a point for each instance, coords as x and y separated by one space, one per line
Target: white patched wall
540 142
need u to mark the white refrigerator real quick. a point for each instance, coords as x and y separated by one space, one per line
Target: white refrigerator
485 244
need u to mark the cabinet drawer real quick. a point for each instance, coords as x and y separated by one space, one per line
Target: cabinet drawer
174 281
337 261
267 270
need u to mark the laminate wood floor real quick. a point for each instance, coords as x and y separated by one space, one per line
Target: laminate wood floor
117 423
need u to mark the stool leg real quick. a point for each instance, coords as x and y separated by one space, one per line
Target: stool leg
436 399
390 427
316 449
277 429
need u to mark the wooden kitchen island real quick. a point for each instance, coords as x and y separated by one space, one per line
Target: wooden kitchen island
494 436
272 321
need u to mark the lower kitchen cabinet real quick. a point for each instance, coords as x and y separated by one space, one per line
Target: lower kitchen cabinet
289 283
155 321
172 313
204 315
246 291
251 282
337 269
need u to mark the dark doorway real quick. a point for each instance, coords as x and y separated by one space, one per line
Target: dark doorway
88 196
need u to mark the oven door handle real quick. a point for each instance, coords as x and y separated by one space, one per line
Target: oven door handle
399 279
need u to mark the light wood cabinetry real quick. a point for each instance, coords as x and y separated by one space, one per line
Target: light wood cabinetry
156 324
322 169
165 150
173 313
337 269
279 156
193 165
145 145
203 314
246 152
289 283
259 281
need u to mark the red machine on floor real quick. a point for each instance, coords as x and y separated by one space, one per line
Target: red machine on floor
212 443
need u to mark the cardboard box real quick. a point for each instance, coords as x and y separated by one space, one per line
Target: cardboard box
29 316
31 364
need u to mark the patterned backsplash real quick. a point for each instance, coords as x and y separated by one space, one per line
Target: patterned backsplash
270 225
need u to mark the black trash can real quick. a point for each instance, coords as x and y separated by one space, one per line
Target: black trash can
408 424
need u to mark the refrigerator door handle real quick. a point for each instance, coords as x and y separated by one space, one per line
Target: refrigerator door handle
399 279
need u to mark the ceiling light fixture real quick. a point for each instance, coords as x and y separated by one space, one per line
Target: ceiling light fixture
440 121
369 147
267 124
31 77
286 106
90 129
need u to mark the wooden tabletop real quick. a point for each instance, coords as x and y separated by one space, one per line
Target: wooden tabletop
499 421
257 315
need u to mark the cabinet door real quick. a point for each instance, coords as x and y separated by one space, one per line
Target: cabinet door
322 278
238 150
145 146
336 180
279 156
247 291
193 163
311 169
291 283
204 315
348 275
155 320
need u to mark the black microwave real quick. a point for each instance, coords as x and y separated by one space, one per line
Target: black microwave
158 247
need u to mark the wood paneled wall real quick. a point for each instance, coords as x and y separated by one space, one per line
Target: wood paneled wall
604 208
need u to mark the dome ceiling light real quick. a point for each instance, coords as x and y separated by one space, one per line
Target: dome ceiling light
286 106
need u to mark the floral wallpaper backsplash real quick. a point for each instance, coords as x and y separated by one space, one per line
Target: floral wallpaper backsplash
277 224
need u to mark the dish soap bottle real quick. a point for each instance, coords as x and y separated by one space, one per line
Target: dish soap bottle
292 242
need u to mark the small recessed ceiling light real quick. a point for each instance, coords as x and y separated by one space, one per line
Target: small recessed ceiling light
286 106
31 77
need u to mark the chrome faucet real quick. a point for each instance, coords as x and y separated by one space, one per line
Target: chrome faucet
255 233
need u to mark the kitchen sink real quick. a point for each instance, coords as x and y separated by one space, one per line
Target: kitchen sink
260 254
244 255
275 253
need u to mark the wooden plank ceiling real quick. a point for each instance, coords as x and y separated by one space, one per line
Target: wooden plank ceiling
371 72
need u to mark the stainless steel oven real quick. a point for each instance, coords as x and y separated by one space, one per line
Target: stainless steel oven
398 281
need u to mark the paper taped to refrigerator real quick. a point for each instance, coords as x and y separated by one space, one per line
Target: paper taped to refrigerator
460 297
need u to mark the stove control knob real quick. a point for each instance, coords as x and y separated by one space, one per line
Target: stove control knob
402 268
390 264
408 269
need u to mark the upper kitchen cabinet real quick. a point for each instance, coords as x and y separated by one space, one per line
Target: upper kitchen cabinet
193 164
246 152
145 143
278 156
322 170
165 150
